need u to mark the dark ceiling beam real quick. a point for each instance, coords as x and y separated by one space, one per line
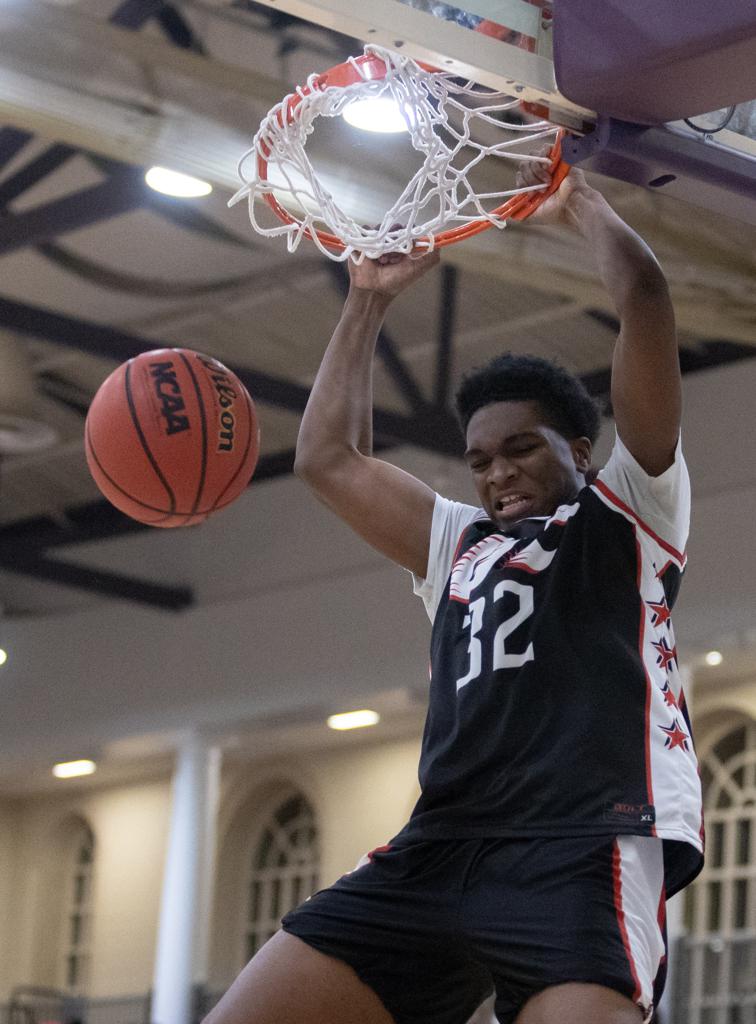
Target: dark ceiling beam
93 521
117 195
386 349
448 304
704 355
605 319
63 392
134 13
108 584
178 29
714 352
34 171
12 141
99 520
432 429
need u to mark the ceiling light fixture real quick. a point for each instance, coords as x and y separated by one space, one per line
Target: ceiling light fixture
173 183
72 769
714 658
353 719
375 114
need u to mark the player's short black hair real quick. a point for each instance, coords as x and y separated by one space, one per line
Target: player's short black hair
566 405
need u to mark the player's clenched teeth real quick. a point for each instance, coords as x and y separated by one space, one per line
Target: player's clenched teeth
509 501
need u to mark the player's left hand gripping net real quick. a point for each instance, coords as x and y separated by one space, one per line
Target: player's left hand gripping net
439 205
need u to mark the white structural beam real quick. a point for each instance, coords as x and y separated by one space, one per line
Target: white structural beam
127 95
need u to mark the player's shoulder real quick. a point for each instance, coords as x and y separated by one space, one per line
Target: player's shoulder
659 506
452 521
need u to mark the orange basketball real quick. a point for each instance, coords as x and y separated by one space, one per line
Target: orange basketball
171 437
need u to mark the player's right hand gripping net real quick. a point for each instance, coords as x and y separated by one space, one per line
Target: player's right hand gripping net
438 205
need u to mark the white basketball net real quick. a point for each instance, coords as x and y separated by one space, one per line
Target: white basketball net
438 195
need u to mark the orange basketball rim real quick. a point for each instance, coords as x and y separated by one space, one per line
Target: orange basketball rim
370 67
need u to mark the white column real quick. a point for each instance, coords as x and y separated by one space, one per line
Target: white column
185 904
668 1012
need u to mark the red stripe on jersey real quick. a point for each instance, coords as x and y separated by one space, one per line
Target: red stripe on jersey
677 555
702 826
617 879
664 568
649 684
459 544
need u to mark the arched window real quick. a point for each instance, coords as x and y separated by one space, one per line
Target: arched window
77 910
720 907
282 869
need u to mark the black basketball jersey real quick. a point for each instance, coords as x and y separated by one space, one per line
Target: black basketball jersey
556 706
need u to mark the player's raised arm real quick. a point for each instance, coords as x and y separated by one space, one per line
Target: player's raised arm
646 391
392 510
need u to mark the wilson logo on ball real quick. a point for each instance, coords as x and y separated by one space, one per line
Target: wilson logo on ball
169 395
226 398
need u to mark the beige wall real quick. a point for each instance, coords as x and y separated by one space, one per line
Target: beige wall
362 795
131 829
129 825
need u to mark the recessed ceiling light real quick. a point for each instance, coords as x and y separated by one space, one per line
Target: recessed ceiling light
3 656
375 114
72 769
173 183
353 719
714 658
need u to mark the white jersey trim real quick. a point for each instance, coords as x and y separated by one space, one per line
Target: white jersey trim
659 504
672 776
638 869
450 519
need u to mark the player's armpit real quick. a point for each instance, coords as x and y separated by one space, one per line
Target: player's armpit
390 509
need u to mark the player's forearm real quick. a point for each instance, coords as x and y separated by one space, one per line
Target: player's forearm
645 389
629 270
339 414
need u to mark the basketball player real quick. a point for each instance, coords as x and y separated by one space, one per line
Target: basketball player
560 799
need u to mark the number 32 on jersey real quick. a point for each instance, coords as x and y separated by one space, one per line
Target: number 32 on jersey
502 658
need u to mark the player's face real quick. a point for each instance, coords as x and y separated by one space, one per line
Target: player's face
520 466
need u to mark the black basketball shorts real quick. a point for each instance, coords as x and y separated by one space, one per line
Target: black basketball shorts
435 927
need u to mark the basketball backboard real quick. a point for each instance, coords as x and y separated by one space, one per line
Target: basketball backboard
511 45
502 44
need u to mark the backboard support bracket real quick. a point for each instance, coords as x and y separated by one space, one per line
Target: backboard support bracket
715 172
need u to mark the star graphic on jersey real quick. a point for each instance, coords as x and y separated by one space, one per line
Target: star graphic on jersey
676 737
660 612
666 654
669 697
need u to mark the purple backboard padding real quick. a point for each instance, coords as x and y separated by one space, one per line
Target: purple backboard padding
651 61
